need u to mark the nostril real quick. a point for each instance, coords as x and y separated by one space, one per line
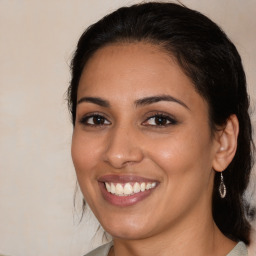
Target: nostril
120 159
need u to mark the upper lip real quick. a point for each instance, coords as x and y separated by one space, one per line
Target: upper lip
124 178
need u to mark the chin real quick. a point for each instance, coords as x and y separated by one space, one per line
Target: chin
127 234
128 230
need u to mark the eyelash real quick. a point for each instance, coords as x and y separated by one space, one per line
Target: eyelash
102 119
163 117
84 120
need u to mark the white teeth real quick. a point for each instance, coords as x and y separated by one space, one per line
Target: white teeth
112 188
108 187
148 186
127 189
136 187
119 189
142 186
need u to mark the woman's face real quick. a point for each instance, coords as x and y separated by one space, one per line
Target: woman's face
142 146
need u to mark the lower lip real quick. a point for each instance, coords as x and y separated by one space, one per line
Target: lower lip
123 200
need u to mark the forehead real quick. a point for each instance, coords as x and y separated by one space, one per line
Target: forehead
134 70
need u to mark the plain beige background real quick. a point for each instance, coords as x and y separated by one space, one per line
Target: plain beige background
37 179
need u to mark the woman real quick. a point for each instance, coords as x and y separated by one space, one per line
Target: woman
162 137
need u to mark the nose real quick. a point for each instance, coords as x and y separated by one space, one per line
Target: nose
123 148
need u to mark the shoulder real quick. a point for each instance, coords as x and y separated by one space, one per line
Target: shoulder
100 251
239 250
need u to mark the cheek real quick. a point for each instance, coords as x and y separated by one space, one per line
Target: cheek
185 166
85 157
85 152
185 153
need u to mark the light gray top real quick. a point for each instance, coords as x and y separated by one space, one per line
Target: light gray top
239 250
101 251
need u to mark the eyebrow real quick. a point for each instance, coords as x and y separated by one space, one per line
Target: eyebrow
98 101
138 103
158 98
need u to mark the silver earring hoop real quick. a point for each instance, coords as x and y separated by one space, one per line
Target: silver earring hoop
222 187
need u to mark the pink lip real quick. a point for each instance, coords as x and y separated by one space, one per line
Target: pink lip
123 201
124 179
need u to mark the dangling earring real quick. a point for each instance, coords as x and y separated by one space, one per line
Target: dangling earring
222 187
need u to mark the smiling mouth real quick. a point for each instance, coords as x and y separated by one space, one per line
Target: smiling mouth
126 190
129 188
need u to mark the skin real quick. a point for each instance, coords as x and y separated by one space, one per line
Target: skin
180 155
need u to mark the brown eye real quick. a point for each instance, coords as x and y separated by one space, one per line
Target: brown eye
94 120
98 120
159 120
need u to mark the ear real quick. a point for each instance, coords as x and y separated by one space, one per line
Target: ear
227 144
